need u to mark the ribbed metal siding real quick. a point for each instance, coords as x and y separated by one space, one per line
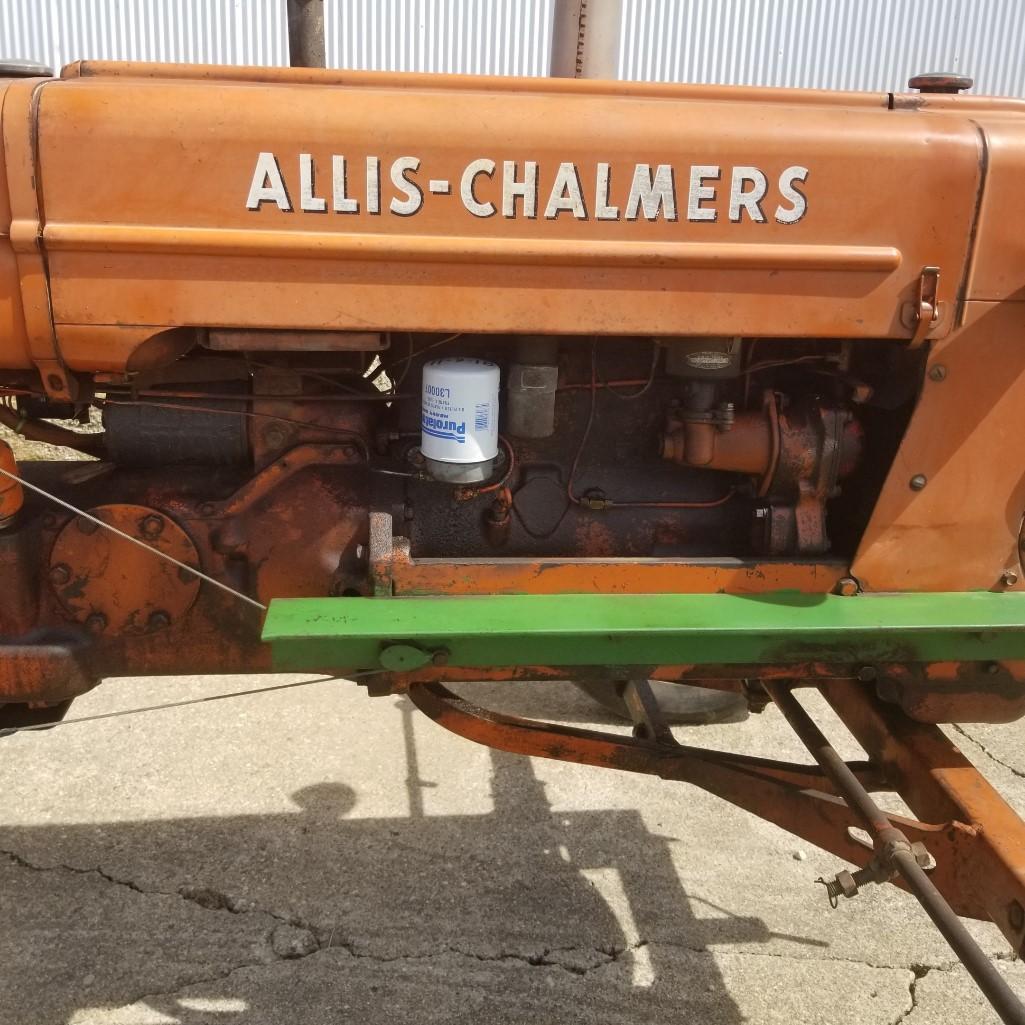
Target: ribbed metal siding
833 44
201 31
481 37
838 44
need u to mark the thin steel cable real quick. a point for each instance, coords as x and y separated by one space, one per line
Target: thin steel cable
9 731
135 541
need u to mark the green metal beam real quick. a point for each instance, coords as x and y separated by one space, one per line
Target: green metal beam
638 629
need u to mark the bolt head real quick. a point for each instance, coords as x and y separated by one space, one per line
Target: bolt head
152 526
86 526
937 372
159 620
918 482
440 658
847 586
866 674
60 574
274 436
96 623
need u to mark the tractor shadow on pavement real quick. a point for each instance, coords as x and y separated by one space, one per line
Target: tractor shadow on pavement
519 914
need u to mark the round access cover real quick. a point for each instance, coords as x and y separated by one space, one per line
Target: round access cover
113 586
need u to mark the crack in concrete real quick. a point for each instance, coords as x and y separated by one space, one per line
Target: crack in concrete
920 972
542 959
152 995
612 952
546 957
215 900
532 960
989 754
205 897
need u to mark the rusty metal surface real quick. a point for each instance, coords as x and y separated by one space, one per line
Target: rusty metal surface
896 857
981 862
610 751
108 584
409 576
45 671
961 692
976 840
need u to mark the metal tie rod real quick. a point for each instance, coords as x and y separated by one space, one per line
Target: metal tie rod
895 851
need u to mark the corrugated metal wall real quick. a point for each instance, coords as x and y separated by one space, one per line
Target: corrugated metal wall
480 37
831 44
840 44
202 31
835 44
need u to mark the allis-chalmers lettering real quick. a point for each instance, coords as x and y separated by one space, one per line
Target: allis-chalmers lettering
520 189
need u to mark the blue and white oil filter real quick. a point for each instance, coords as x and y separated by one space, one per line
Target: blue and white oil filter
459 419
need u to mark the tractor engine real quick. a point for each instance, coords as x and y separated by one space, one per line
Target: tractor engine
535 447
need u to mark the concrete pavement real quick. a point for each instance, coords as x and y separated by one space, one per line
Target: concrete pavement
315 855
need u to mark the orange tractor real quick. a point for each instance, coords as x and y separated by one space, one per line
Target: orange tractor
438 379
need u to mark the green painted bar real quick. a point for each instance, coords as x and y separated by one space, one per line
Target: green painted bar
639 629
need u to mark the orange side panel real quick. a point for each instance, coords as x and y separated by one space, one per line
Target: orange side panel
998 268
14 351
960 531
145 184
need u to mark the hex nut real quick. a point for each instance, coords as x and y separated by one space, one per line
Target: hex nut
1010 578
848 887
846 586
918 482
86 526
937 372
